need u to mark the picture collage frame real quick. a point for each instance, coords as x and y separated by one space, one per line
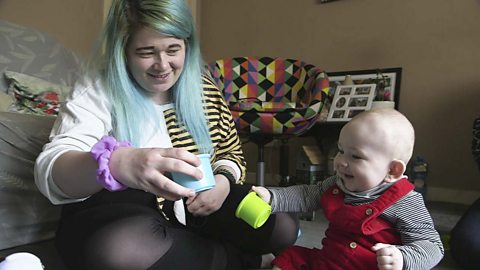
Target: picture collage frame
391 76
350 100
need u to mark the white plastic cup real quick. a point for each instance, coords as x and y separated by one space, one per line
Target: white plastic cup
21 261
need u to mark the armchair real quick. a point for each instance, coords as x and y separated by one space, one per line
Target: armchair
270 98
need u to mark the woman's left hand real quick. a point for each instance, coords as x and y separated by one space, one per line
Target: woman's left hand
209 201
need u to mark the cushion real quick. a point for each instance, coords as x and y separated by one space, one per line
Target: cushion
271 95
34 95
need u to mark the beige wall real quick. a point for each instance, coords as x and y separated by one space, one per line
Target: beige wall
436 43
106 7
74 23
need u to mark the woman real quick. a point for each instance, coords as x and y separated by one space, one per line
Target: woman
145 110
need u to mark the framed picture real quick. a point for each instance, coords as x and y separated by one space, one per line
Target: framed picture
350 100
387 81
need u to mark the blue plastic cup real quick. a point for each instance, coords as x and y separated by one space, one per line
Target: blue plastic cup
199 185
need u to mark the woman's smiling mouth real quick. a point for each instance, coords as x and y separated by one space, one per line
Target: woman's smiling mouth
159 76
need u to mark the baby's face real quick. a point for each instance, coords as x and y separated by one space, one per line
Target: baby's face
363 160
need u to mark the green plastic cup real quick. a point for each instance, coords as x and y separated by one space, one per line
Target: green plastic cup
253 210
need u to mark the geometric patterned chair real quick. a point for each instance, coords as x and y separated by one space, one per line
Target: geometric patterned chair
270 97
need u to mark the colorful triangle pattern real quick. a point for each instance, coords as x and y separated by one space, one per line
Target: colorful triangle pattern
271 95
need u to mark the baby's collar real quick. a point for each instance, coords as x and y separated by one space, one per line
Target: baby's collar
367 194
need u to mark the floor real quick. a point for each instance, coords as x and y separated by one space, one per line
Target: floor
445 216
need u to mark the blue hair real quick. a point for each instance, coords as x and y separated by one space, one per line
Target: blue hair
131 106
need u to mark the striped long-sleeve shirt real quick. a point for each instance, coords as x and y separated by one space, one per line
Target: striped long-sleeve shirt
225 141
421 245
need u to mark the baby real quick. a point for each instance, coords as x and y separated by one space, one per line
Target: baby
376 219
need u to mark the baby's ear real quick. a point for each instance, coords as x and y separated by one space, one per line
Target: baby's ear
397 168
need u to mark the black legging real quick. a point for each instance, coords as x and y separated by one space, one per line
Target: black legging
465 240
124 230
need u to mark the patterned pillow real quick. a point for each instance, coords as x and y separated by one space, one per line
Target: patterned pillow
33 95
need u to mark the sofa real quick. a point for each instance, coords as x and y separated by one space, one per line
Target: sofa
27 219
36 74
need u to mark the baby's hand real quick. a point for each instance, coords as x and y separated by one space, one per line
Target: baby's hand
262 193
388 257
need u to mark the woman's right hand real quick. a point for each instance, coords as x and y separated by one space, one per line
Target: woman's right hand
146 168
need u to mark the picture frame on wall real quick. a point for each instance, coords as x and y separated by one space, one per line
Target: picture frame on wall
387 81
350 100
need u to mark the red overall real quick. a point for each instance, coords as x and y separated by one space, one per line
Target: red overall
351 233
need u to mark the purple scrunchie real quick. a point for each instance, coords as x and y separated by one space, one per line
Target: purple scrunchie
101 152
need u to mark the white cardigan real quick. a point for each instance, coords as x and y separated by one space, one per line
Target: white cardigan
83 120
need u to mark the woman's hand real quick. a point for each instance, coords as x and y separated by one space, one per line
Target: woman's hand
262 193
389 257
145 169
209 201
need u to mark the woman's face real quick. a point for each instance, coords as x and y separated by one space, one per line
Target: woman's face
155 62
